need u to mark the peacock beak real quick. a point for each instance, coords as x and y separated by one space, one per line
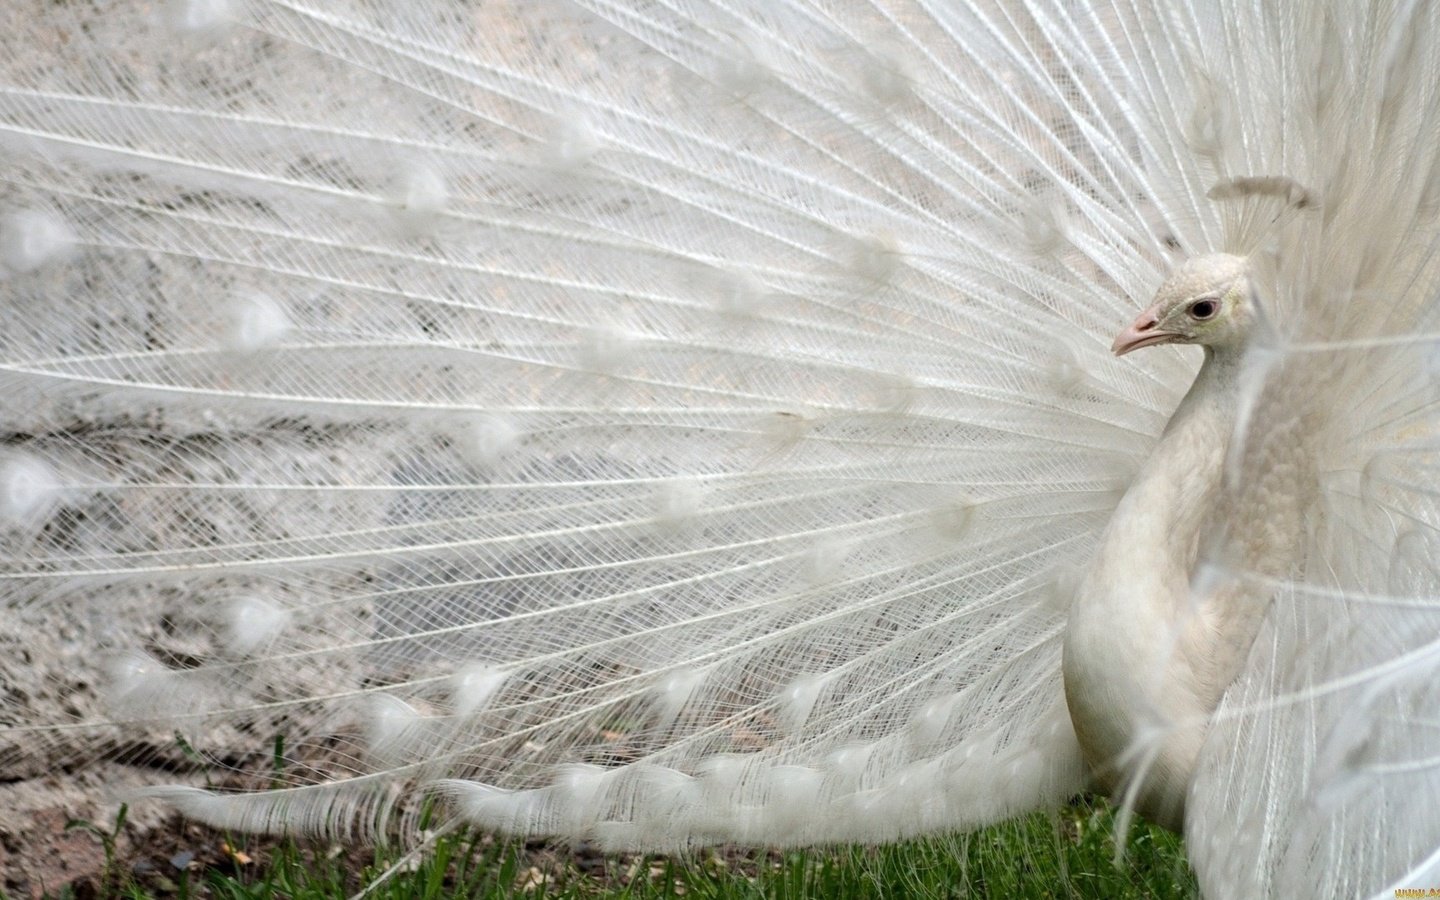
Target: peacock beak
1142 333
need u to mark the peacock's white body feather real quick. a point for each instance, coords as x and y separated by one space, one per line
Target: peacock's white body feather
676 422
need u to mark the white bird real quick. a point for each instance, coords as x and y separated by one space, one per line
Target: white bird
683 422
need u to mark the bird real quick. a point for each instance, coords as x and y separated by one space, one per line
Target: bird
685 422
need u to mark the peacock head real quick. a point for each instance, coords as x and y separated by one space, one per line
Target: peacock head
1206 301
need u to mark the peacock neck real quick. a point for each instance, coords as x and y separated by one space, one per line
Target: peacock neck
1180 481
1135 655
1213 397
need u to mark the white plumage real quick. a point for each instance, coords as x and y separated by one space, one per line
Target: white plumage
678 422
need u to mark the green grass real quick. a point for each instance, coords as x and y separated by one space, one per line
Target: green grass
1069 854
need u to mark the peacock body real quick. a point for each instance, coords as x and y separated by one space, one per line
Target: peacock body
675 422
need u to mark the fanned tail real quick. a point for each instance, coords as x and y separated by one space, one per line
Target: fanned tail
685 422
654 425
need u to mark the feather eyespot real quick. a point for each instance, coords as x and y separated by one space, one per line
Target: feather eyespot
1203 309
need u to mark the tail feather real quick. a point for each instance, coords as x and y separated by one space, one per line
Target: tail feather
691 404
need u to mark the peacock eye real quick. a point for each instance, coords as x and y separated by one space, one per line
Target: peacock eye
1203 309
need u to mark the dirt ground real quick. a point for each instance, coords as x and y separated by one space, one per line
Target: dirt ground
48 859
44 852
